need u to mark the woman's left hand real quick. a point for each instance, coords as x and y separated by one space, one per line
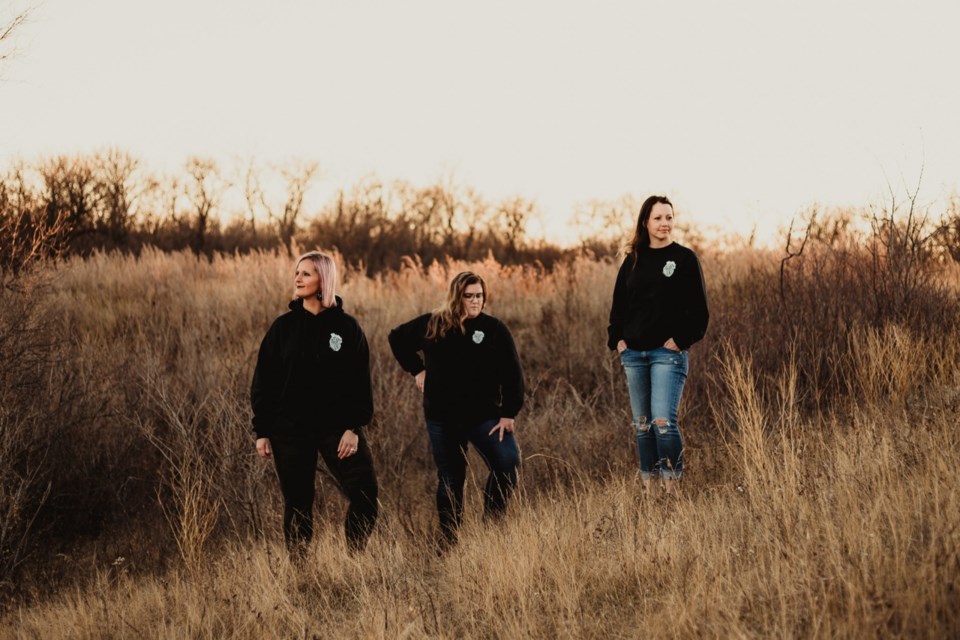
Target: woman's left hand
670 344
505 424
348 444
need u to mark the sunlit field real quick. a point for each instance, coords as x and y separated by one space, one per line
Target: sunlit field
820 420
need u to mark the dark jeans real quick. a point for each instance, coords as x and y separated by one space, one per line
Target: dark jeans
296 462
449 445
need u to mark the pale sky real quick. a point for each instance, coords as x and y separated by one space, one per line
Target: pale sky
743 112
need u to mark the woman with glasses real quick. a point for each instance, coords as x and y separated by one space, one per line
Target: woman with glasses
472 385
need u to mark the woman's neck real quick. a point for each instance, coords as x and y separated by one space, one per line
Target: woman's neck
313 305
660 244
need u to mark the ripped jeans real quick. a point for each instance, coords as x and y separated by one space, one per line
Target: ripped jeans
655 382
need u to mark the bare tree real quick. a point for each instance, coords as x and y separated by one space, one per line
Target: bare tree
948 233
513 214
8 28
27 234
70 192
298 176
476 216
605 225
457 212
120 188
18 197
422 214
794 253
285 212
249 177
205 190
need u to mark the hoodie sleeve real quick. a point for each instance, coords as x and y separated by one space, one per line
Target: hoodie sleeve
405 342
264 391
618 310
693 297
360 387
511 374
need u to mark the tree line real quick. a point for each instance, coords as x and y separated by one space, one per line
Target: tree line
109 200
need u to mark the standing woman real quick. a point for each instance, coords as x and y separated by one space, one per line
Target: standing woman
311 393
472 386
659 310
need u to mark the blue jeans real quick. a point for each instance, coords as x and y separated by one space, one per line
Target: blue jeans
449 445
655 382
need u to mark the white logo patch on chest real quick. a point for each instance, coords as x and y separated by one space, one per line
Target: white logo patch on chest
335 342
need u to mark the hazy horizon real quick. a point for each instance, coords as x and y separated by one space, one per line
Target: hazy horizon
743 114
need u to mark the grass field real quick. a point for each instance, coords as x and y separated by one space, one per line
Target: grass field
819 499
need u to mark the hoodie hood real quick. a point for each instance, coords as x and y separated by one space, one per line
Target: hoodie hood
297 304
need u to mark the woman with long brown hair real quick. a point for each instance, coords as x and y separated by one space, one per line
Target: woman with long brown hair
659 311
472 385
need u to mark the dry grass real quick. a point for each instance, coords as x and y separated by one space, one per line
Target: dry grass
858 543
805 511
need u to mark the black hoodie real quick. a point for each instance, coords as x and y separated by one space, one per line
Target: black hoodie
472 376
312 375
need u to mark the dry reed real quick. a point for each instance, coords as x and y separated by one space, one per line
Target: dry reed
806 511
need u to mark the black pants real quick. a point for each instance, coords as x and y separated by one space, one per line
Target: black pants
296 462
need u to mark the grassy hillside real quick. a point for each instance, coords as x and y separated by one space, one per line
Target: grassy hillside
819 417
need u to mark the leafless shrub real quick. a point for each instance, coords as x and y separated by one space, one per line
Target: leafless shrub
187 496
31 407
901 249
27 235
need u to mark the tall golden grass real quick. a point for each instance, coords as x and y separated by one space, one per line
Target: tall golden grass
817 500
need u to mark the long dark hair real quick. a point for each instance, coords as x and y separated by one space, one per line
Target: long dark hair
641 237
452 314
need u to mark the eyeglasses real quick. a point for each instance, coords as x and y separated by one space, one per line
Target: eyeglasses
471 296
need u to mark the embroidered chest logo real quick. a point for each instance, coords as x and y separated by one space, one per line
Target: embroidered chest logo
335 342
669 268
478 337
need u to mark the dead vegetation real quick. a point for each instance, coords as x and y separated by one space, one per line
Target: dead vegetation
820 431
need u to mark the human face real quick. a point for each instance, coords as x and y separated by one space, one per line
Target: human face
306 280
660 224
473 299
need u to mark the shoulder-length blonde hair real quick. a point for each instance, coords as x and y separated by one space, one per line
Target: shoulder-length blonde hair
327 269
452 314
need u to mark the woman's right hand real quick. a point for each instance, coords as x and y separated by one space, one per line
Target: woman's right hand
420 379
621 346
263 447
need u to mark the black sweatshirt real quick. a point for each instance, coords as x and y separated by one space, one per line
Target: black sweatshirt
660 297
471 376
312 375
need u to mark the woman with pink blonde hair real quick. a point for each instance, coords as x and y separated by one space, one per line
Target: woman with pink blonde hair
311 394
